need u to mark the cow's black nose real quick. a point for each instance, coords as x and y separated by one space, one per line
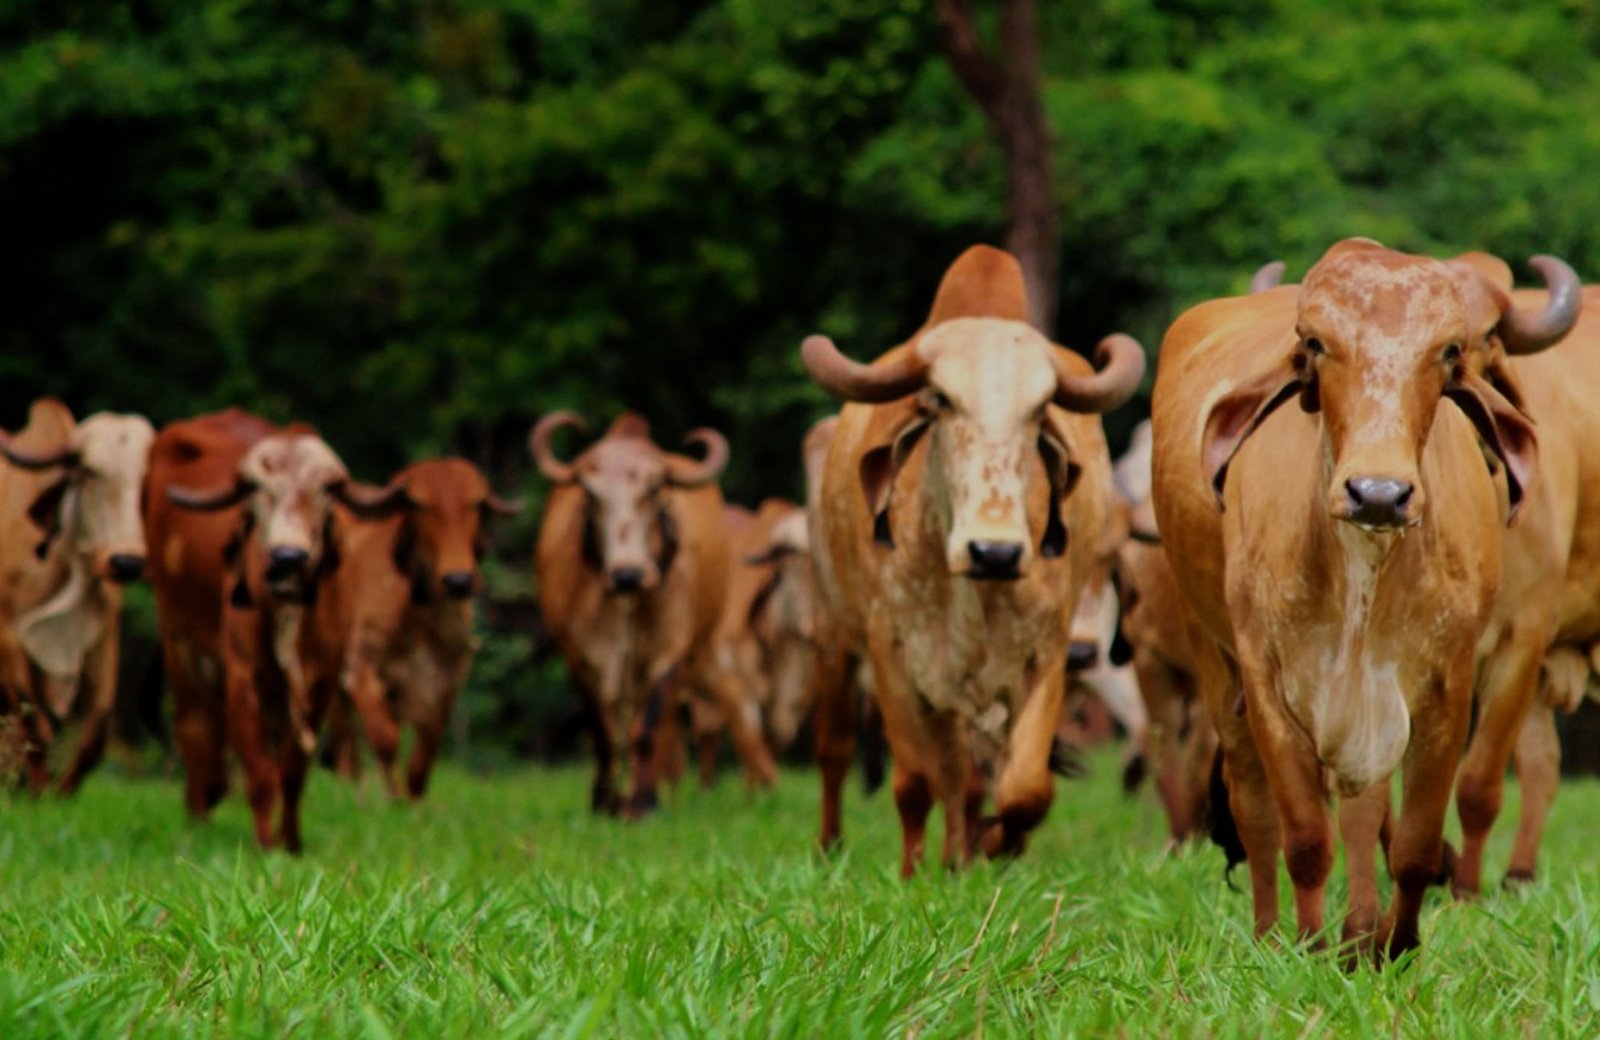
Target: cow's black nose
1378 501
126 567
284 560
627 579
458 584
1082 656
995 560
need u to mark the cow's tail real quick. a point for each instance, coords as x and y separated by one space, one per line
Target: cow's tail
1221 827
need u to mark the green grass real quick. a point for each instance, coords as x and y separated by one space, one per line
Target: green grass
502 908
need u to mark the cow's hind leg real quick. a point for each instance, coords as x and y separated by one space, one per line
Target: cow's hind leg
1509 679
1538 761
836 740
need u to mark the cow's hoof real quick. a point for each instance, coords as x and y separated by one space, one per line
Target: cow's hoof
1516 879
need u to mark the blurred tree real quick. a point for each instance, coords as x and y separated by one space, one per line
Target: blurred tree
1007 89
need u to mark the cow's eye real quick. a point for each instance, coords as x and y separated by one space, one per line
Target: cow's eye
1314 345
1452 353
940 401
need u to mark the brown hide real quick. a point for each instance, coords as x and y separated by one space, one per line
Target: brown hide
70 534
629 652
966 671
189 574
403 591
1274 414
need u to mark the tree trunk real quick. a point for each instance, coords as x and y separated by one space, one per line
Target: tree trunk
1008 92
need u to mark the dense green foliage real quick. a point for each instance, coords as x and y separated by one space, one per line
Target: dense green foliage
420 223
501 908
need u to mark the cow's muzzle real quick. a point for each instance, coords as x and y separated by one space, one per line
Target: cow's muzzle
1378 502
627 579
459 584
995 560
284 562
124 568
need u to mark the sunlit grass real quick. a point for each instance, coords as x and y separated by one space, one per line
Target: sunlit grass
502 908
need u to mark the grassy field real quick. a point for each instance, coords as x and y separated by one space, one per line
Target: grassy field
501 908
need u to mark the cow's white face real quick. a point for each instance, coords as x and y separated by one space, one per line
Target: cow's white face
290 503
112 454
624 479
989 384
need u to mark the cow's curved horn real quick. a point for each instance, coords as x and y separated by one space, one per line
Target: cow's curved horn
853 381
369 503
1121 368
1530 333
687 473
17 457
213 500
556 471
1268 276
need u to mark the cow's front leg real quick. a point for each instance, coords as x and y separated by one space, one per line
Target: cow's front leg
1361 824
1249 806
367 692
648 743
1024 791
835 723
950 765
261 778
100 671
1418 846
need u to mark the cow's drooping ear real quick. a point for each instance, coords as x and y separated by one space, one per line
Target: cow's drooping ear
45 512
1235 416
1503 428
1063 472
881 464
667 529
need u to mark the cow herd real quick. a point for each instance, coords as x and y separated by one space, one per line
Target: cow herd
1365 513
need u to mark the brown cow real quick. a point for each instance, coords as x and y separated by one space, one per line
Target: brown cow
283 643
959 532
188 573
1556 542
406 585
765 638
1341 567
631 566
727 684
70 537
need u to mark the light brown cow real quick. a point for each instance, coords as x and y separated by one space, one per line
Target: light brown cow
727 685
1342 566
1521 679
766 636
961 506
189 573
405 588
70 537
631 566
282 638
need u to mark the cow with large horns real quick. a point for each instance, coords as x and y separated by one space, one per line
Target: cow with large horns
282 655
1340 559
962 499
70 538
631 567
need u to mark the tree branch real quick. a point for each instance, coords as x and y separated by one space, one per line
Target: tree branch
973 66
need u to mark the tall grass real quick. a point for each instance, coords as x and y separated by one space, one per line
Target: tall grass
502 908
